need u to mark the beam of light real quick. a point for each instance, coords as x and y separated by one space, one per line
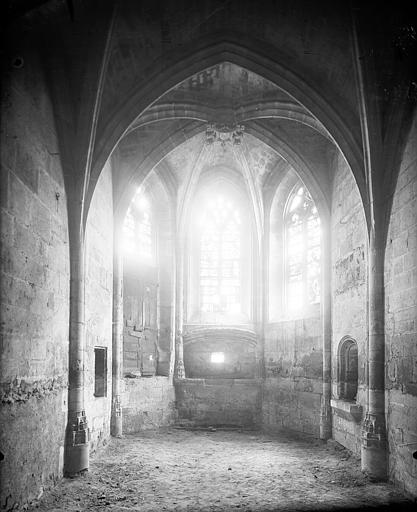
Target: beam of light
141 202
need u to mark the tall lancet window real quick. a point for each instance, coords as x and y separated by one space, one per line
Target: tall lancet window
302 251
220 257
137 228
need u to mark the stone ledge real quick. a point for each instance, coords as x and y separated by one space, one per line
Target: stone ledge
346 409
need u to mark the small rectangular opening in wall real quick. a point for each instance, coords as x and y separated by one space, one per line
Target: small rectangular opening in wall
217 357
100 372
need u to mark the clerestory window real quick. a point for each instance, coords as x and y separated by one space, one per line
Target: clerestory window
302 251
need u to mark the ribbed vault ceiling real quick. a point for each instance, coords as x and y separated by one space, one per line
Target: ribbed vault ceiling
170 135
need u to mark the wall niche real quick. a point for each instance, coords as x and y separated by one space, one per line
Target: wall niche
220 353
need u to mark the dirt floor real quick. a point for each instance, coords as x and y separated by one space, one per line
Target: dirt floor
217 470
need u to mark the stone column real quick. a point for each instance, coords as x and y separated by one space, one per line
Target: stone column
265 289
173 355
326 311
258 268
373 449
77 432
179 367
116 426
179 346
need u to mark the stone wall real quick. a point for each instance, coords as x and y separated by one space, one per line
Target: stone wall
219 402
98 304
147 402
140 319
148 396
401 323
349 294
238 346
147 294
293 375
34 288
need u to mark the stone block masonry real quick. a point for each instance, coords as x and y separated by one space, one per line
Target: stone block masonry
37 421
148 402
219 402
401 323
34 306
349 293
292 390
98 306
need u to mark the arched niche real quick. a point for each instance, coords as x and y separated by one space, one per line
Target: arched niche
220 352
347 369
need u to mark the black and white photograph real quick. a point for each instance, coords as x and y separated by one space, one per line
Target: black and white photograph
208 265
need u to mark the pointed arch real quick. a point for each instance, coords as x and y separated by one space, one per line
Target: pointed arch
173 140
189 61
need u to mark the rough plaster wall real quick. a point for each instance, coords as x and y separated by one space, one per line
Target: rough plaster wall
293 384
211 402
349 290
401 322
98 303
34 289
148 402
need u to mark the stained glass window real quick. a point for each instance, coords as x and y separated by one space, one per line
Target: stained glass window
137 227
220 251
302 230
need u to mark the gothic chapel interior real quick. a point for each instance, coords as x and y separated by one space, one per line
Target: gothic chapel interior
208 217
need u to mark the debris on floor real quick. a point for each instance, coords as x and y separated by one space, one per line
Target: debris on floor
219 471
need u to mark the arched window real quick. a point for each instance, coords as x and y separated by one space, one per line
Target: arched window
220 257
348 369
302 251
137 228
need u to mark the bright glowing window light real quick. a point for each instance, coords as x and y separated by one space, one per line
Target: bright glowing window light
217 357
137 227
220 233
141 201
302 251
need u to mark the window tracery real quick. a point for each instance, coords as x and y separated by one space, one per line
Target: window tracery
220 253
303 251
